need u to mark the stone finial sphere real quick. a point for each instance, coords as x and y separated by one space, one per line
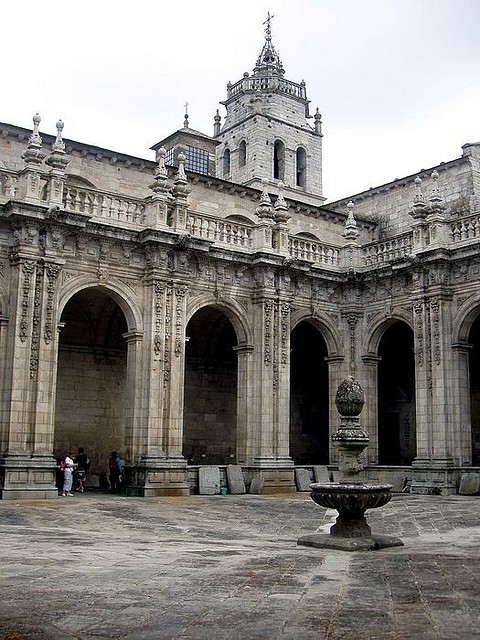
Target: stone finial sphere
350 397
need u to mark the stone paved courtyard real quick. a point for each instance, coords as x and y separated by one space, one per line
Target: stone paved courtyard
100 567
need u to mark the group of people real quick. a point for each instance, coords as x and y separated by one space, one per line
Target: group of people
75 468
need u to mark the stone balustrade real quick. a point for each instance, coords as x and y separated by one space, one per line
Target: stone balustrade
104 205
267 83
466 228
218 230
111 206
380 253
312 251
8 184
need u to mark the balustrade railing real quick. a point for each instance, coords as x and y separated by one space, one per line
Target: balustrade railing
379 253
312 251
466 228
8 184
217 230
104 205
267 83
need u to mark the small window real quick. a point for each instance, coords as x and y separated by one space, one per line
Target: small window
226 162
196 160
170 157
301 179
279 161
242 154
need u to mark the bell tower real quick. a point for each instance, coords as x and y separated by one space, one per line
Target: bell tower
267 133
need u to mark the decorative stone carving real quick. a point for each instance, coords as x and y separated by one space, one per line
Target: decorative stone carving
350 497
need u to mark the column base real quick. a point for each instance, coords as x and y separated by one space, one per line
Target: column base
272 476
157 477
26 477
435 477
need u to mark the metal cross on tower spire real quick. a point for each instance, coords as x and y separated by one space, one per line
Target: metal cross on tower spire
268 28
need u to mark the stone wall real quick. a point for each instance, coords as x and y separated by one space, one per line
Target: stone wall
89 406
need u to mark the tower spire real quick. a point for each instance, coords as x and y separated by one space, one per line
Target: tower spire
268 62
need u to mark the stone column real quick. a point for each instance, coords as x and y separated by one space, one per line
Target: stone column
370 412
44 358
336 373
161 468
432 468
133 419
422 383
29 383
461 404
246 441
271 406
442 379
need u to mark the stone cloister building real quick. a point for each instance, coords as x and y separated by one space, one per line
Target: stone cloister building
202 307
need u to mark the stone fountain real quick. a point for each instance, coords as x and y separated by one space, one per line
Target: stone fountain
352 496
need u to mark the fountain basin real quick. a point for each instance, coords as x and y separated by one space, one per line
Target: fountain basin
354 497
351 531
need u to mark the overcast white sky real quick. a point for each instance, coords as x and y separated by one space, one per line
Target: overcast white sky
397 81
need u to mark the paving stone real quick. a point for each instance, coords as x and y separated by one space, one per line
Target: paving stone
105 567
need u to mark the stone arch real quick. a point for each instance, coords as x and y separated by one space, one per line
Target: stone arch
121 293
378 325
234 312
226 162
242 153
74 180
98 371
466 353
464 319
279 153
309 395
307 235
215 394
301 168
326 327
392 343
241 218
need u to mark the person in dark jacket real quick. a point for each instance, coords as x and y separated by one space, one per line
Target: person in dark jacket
115 466
83 465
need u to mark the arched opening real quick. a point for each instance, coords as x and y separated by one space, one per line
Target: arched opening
226 162
279 160
301 168
242 154
210 407
91 378
474 371
309 420
396 396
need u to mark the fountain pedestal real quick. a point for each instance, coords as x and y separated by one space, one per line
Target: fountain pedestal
351 497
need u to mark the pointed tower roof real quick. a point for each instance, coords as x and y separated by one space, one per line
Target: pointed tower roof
268 61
